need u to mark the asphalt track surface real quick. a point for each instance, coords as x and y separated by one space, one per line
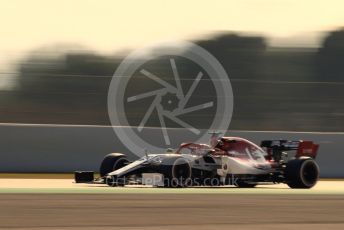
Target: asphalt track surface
60 204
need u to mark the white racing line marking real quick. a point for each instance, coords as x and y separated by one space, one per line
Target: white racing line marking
334 187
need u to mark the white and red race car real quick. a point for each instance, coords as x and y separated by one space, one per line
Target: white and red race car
226 161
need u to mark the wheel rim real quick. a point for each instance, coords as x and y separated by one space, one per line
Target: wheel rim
309 173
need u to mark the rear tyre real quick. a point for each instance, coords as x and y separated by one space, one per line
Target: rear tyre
302 173
112 162
177 172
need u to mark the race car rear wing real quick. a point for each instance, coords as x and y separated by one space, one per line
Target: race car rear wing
303 148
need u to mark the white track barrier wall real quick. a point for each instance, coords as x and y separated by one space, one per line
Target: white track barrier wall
65 148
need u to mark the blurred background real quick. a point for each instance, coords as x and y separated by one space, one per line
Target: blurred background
285 59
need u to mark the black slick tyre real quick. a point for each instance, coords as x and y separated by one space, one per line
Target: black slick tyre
112 162
301 173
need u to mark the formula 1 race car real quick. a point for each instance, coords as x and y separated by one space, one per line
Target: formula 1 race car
226 161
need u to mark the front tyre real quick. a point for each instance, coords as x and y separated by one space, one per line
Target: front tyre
301 173
112 162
